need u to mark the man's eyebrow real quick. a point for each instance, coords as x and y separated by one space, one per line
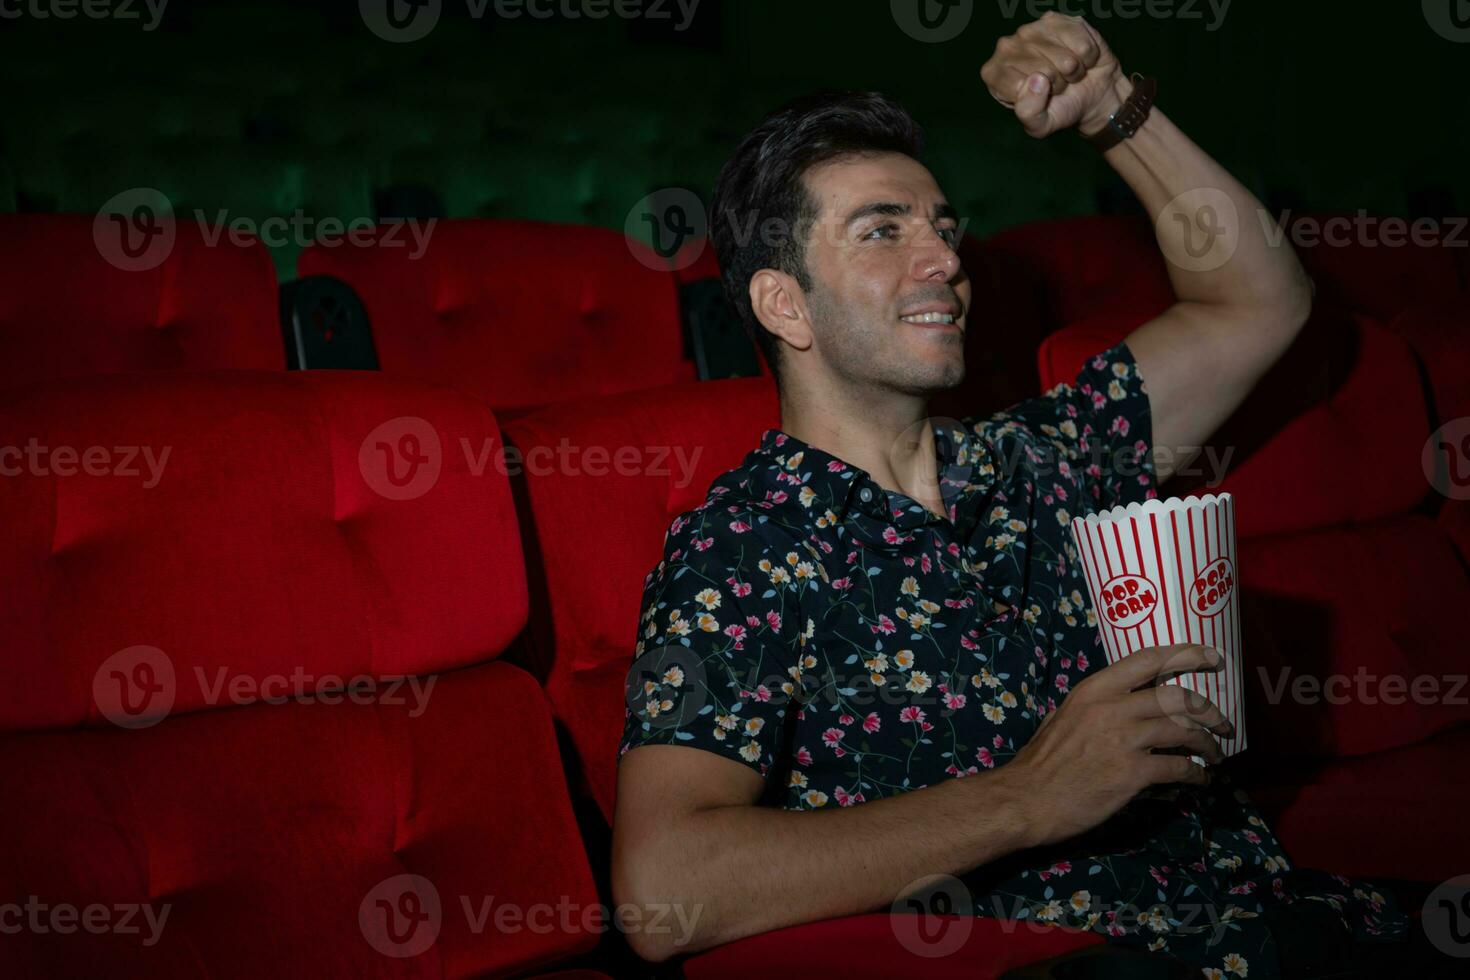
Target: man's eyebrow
942 212
887 208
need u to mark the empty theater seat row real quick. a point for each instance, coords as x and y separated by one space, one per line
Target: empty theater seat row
518 313
523 314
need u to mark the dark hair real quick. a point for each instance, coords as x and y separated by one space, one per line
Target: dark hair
761 183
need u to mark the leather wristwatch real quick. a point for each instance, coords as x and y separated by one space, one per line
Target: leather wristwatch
1124 122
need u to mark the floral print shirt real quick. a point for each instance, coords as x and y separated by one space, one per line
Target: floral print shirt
847 644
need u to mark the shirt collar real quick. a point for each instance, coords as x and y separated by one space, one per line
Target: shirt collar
965 467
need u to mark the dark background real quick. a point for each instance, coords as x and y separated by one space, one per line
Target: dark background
274 108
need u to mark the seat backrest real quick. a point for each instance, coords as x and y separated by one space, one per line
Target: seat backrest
518 313
1346 383
611 476
252 622
1044 275
1377 265
73 303
1439 331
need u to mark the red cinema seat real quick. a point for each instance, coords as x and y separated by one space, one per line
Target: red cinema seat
1438 331
1347 582
585 616
1003 326
1378 265
518 313
72 303
1044 275
880 946
695 261
203 703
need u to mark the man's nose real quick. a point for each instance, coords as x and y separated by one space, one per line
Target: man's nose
935 261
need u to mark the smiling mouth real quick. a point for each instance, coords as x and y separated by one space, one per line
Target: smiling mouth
928 319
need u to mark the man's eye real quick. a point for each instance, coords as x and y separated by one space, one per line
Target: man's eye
951 236
882 231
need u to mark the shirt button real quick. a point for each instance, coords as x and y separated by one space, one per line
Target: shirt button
865 495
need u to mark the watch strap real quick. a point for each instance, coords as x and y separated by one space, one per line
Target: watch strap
1128 117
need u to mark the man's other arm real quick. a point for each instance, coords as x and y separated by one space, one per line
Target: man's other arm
687 832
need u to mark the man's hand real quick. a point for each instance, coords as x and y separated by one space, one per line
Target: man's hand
1095 752
1055 72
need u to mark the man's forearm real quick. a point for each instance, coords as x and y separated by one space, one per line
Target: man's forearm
749 869
1160 163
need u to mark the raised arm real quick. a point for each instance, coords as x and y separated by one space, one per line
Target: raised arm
1242 294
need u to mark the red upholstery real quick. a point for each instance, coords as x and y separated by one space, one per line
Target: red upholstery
1046 274
585 612
1358 271
264 519
1060 355
1399 813
66 311
1312 412
1003 327
1071 269
517 313
264 559
1437 330
696 260
1375 598
869 946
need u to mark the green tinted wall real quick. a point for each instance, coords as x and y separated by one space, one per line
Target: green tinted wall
299 111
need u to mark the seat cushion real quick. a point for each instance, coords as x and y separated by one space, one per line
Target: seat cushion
280 836
882 946
66 311
1398 813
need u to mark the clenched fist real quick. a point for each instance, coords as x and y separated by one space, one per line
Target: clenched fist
1056 72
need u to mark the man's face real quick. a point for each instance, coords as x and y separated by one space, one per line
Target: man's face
889 300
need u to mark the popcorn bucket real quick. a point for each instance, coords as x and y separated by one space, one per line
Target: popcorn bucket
1164 572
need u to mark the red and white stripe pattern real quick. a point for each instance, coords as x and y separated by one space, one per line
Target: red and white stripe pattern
1164 572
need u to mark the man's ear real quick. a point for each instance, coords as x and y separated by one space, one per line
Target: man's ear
780 307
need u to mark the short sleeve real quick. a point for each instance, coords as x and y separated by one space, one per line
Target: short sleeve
711 669
1100 430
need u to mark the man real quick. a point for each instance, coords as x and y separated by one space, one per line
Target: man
873 606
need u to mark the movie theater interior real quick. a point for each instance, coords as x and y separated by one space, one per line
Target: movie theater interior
421 419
